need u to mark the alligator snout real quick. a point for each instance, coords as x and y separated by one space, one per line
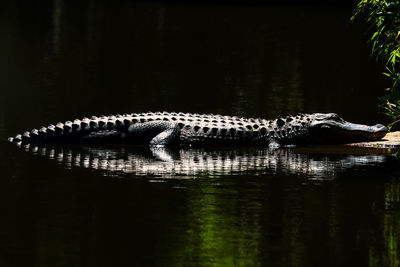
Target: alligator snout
378 131
381 128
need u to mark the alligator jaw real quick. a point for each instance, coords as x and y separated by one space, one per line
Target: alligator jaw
370 133
342 132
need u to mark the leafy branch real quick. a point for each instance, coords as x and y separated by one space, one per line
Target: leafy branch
383 17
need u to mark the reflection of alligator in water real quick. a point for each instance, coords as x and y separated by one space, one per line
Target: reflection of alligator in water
162 128
187 162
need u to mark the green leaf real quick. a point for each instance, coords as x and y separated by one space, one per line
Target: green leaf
386 74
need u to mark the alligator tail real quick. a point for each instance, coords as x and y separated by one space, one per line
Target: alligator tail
75 131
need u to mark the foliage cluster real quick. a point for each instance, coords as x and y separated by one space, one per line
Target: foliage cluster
383 16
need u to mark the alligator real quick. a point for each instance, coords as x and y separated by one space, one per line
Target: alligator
166 129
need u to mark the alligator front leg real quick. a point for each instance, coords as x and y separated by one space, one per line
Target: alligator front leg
157 133
166 137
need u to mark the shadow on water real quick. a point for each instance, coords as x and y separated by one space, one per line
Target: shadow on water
317 163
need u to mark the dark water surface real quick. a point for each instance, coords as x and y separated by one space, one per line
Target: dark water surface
135 206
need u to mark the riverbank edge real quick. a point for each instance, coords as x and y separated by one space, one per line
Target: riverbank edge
391 140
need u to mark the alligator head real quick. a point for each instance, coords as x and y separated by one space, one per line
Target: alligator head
329 128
